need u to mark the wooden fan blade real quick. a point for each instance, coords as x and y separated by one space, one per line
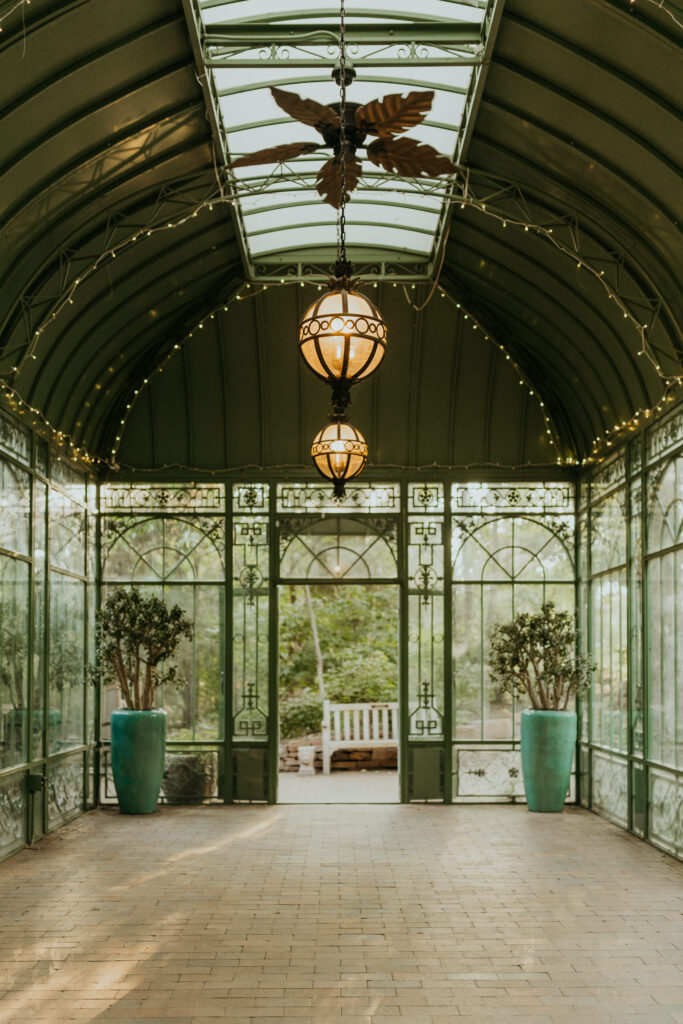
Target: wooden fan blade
307 111
276 154
394 113
328 182
409 158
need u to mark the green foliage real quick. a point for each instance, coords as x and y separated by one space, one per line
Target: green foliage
363 676
535 655
300 713
135 636
357 628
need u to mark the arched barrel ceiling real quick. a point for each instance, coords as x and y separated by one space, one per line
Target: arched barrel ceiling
104 137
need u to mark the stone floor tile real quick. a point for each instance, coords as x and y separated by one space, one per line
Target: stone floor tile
341 915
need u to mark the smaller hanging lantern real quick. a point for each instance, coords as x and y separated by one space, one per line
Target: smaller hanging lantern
342 336
340 452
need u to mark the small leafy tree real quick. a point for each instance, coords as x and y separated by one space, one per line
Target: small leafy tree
535 655
135 636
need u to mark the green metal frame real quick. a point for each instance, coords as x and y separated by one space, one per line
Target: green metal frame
44 777
268 43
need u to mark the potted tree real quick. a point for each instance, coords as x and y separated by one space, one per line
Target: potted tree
136 636
535 656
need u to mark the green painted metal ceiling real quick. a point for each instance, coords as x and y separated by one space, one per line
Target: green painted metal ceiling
104 137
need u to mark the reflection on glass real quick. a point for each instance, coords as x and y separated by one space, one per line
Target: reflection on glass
66 666
67 533
15 508
147 549
14 584
502 565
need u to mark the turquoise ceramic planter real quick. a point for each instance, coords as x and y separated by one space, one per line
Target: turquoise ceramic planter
548 742
137 755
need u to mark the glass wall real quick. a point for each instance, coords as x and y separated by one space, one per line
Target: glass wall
512 550
47 601
169 541
630 531
465 555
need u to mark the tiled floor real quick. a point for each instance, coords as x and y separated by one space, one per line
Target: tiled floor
375 787
296 914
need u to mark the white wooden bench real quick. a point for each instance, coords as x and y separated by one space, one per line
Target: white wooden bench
358 727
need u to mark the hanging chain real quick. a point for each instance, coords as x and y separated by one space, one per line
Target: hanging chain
341 255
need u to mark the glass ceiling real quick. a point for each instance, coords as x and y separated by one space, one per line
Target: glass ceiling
250 45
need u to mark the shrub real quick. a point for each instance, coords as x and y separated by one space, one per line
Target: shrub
300 713
535 655
363 677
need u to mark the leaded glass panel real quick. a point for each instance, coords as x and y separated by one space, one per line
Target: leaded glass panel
608 533
66 663
425 627
610 475
65 789
665 658
67 533
610 652
39 615
137 498
372 498
14 661
15 439
15 508
666 810
338 547
635 634
12 812
250 637
610 787
145 549
502 565
665 436
513 498
69 479
665 511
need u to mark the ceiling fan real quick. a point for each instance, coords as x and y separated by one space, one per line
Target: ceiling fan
386 118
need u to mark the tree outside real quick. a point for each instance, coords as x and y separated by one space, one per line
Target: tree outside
339 642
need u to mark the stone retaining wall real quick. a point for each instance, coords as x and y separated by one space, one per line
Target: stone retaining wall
342 760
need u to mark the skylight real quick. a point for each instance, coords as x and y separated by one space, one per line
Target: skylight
246 47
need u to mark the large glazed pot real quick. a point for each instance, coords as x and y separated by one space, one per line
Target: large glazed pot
137 756
548 742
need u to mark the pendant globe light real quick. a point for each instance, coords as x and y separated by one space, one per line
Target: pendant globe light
340 452
342 336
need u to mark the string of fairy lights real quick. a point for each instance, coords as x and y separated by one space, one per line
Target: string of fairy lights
464 199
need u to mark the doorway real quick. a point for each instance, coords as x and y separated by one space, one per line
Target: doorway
338 662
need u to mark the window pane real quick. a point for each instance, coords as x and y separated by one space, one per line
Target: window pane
66 682
14 584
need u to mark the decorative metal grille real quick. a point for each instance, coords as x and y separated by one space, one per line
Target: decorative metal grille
610 787
65 789
15 440
338 547
12 812
665 436
372 498
162 498
610 475
502 565
492 773
170 549
425 627
250 638
491 498
250 497
666 811
425 497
